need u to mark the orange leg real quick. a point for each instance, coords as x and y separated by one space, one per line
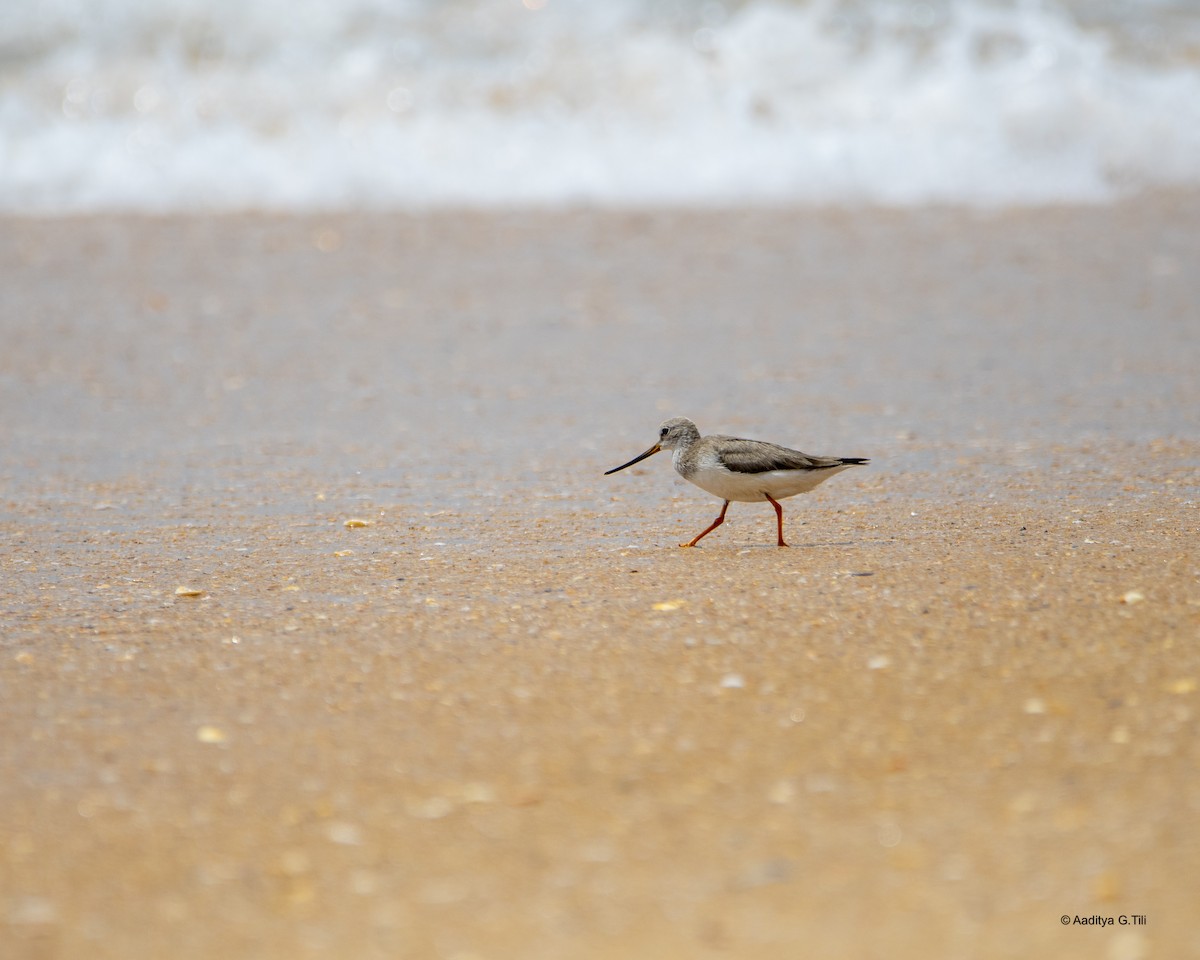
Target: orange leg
716 523
778 515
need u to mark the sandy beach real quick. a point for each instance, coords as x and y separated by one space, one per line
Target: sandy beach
324 635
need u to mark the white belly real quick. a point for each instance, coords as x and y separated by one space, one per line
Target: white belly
753 487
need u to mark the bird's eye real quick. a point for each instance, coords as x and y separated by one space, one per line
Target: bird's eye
662 432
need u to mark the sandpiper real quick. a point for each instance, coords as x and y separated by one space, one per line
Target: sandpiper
748 471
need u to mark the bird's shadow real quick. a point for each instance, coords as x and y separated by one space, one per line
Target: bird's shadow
810 545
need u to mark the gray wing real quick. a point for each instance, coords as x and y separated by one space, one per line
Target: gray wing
758 456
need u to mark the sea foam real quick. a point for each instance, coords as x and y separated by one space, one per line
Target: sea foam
369 104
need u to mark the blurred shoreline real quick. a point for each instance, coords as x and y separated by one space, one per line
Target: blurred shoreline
912 332
1166 200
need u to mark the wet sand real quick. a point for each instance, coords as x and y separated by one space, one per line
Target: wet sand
507 717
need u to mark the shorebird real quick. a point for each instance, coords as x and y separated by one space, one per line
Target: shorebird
749 471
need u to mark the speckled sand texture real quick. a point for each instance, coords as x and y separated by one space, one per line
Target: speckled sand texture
505 716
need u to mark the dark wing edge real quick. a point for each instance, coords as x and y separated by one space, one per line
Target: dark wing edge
760 457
